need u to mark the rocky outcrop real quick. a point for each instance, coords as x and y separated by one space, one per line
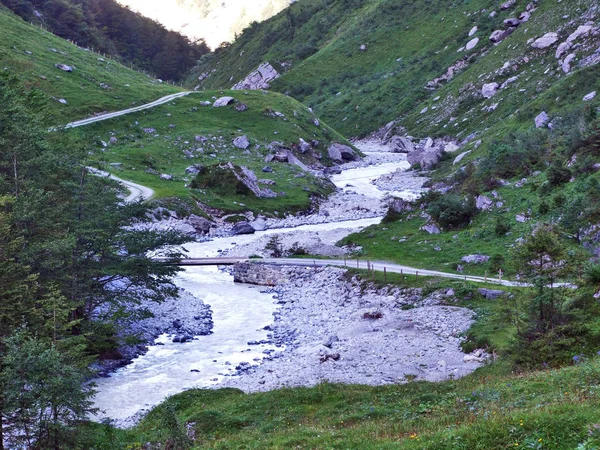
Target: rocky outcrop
258 79
489 89
541 119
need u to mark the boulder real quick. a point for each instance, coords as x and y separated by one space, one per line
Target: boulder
258 78
241 142
566 65
483 203
431 228
426 157
475 259
499 35
166 177
451 147
546 40
401 206
511 22
562 48
460 157
304 146
507 5
491 294
281 156
259 224
488 90
241 107
194 169
524 16
581 31
242 228
223 101
589 96
541 119
472 44
267 193
267 169
200 224
113 140
64 67
401 144
340 153
473 31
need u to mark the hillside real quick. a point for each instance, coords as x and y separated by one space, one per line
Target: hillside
181 150
106 26
95 83
364 64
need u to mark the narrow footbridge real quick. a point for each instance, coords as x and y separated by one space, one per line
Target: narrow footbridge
379 266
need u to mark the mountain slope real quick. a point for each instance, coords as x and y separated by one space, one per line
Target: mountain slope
405 46
95 84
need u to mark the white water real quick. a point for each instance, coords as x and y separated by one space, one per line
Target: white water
239 314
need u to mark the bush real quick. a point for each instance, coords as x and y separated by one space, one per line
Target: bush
452 211
558 175
497 262
501 227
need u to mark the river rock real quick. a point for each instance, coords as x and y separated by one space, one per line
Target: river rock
242 228
223 101
200 224
401 144
340 153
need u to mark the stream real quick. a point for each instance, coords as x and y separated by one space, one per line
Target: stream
240 313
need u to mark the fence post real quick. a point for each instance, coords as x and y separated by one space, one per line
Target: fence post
385 274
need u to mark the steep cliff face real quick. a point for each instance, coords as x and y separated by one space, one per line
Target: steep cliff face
215 21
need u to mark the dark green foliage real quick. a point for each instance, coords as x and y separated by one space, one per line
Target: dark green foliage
501 226
497 262
109 27
220 179
452 211
558 175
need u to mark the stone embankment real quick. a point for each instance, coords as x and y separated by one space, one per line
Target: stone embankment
337 329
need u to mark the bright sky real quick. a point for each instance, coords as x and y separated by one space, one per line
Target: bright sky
216 21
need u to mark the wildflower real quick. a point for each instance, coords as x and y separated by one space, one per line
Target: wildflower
540 440
413 436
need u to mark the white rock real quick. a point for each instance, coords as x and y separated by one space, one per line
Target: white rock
472 44
562 48
223 101
566 65
460 157
62 100
451 147
489 89
509 81
258 79
541 119
473 31
424 110
546 40
581 31
241 142
589 96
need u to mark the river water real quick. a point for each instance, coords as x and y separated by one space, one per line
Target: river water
240 313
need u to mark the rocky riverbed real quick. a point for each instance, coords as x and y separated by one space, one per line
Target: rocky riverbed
335 330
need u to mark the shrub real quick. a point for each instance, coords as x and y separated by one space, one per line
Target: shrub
558 175
452 211
501 227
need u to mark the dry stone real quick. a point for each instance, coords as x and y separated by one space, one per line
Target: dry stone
223 101
545 41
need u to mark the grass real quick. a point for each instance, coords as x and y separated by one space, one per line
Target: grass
142 157
359 91
490 409
30 53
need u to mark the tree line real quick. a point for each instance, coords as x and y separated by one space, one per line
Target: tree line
114 29
71 270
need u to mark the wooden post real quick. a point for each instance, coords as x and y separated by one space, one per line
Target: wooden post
385 274
417 275
486 276
345 262
357 265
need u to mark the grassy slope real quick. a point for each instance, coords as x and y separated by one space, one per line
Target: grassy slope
163 151
408 44
80 88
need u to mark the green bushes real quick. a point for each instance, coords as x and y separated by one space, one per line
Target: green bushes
452 211
219 179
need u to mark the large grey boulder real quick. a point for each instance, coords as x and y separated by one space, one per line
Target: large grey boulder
581 31
545 41
491 294
499 35
401 144
200 224
242 228
241 142
426 157
340 153
223 101
489 89
541 119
